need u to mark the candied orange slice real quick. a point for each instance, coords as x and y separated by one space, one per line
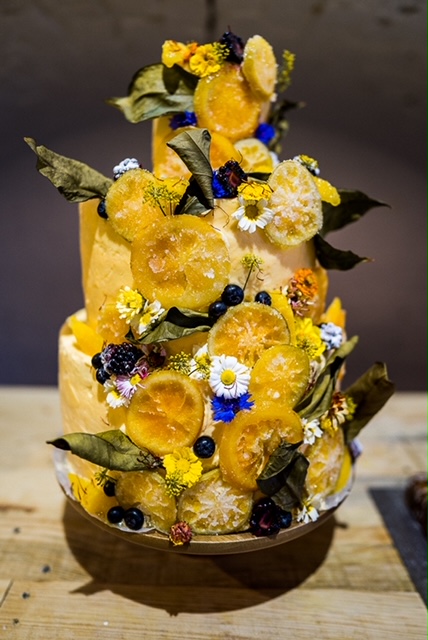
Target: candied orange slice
326 458
146 491
110 326
259 66
213 506
256 157
166 412
246 331
88 340
180 261
281 374
91 496
252 437
225 104
296 203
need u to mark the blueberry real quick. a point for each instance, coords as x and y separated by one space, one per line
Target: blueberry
204 447
102 376
134 518
109 488
232 295
101 210
263 297
97 361
284 518
217 309
115 515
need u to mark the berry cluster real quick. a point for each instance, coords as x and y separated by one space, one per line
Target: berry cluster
116 359
232 295
235 46
267 518
133 518
227 178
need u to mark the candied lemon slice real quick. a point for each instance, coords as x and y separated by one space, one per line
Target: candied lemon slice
166 412
326 457
296 203
281 303
246 331
251 438
91 496
260 67
256 157
146 491
213 506
180 261
280 375
225 104
88 340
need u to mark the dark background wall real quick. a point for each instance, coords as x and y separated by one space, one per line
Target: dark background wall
360 69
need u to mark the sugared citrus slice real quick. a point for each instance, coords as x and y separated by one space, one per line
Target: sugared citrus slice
225 104
328 193
180 261
256 157
260 67
281 374
110 326
281 303
166 412
213 506
251 438
317 308
296 203
246 331
146 491
326 457
166 162
91 496
88 340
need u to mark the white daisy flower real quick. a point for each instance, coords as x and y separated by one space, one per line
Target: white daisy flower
228 377
307 514
151 312
128 386
311 431
253 215
114 398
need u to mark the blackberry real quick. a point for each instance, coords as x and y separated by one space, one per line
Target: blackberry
235 44
120 359
232 295
204 447
115 515
263 298
264 519
217 309
101 209
134 518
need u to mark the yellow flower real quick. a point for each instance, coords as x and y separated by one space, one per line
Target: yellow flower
174 52
254 191
183 469
207 59
308 338
129 303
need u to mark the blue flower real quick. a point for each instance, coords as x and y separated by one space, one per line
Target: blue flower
265 132
225 409
220 190
332 335
185 119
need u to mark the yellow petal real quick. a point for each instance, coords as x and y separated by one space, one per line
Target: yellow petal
328 193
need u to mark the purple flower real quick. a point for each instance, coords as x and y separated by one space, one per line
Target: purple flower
225 409
185 119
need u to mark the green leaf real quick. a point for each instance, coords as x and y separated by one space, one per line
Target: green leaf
111 449
155 92
193 147
74 180
370 393
353 205
285 474
331 258
177 323
318 401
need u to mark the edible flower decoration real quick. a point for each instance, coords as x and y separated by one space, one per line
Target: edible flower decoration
180 533
332 335
138 312
327 192
185 119
121 389
225 409
311 431
200 60
253 213
228 377
183 469
307 513
341 409
129 303
308 337
302 290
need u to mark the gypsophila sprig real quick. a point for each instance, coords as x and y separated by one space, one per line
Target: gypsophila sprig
252 262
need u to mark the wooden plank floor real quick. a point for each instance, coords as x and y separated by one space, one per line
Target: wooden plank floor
62 577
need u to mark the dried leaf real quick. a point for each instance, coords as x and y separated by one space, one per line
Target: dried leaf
177 323
155 92
370 393
193 147
285 475
111 449
331 258
74 180
353 205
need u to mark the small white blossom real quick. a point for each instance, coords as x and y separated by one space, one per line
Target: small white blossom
124 166
253 215
151 312
307 514
228 377
114 398
311 431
